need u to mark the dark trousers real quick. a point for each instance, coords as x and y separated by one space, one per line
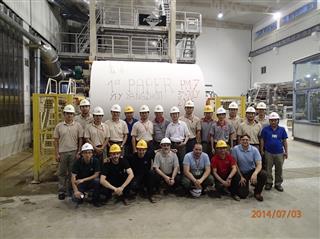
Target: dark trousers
206 148
94 185
142 181
233 187
116 182
160 182
190 145
261 181
181 152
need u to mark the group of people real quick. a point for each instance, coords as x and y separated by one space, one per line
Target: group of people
188 155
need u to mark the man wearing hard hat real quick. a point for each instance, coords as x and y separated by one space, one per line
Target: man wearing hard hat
118 128
194 125
251 128
166 166
130 121
206 124
143 129
177 131
234 120
221 130
85 175
196 168
116 175
85 117
160 125
262 118
274 146
224 170
97 134
67 143
141 163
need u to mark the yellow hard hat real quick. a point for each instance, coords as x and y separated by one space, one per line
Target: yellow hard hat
115 148
128 109
142 144
221 144
208 109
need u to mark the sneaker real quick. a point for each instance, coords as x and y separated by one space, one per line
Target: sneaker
150 198
268 187
258 196
279 188
235 197
61 196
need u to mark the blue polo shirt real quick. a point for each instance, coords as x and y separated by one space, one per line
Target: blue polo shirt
246 159
273 139
130 129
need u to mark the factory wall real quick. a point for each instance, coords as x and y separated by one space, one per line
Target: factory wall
38 15
222 55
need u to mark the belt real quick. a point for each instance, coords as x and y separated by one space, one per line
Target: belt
115 142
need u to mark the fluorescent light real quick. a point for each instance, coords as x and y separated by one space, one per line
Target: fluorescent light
220 15
276 15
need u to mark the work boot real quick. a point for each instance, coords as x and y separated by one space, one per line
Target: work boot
258 196
61 196
279 188
235 197
268 187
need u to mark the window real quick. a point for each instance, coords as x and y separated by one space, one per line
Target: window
307 89
299 12
11 76
270 28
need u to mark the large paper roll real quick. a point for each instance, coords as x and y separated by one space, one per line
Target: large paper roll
138 83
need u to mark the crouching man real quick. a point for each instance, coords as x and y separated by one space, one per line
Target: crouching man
85 175
196 170
224 170
116 176
166 166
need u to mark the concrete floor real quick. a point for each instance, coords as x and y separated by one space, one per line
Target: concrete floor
31 215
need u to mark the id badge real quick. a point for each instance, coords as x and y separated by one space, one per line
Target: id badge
197 172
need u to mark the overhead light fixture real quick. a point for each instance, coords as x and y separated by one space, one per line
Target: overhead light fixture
276 15
308 76
220 15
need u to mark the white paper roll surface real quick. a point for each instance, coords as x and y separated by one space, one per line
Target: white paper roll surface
138 83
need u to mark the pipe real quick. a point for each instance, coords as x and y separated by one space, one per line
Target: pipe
172 32
48 54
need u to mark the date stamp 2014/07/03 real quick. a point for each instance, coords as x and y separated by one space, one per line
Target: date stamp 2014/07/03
276 213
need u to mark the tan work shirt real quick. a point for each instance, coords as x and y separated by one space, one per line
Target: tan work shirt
193 124
142 130
235 122
97 133
68 135
253 130
84 121
118 129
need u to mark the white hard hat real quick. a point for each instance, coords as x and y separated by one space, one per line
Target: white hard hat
221 110
196 192
250 109
116 108
174 109
158 108
84 102
261 106
144 108
189 103
69 109
86 147
274 115
233 105
165 141
98 111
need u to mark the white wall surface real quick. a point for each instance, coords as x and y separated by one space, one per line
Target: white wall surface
279 65
222 55
37 13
